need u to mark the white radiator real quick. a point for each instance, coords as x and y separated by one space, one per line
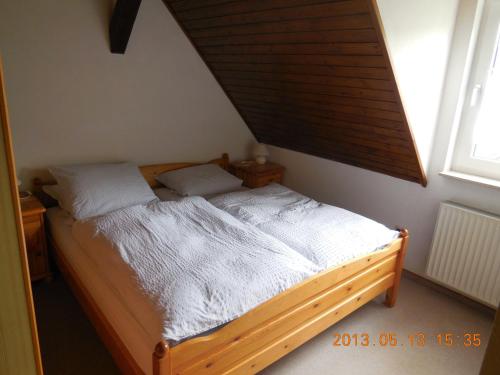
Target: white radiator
465 252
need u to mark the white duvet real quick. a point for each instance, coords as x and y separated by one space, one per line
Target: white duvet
324 234
198 265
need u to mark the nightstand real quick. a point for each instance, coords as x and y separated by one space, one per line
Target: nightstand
257 175
34 235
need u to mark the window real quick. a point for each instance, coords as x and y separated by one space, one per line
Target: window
477 148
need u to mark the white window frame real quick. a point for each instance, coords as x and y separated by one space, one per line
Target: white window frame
461 163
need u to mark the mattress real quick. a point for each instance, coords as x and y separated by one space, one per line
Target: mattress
140 337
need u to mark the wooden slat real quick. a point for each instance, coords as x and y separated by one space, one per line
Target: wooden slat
383 159
118 350
245 6
295 338
328 9
352 49
291 127
339 36
197 348
347 117
271 102
360 93
365 83
330 152
180 5
350 22
348 61
322 70
322 120
309 75
288 321
307 99
329 138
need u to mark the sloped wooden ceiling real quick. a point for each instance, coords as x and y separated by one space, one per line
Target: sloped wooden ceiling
308 75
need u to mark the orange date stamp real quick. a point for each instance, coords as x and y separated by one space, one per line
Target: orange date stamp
412 340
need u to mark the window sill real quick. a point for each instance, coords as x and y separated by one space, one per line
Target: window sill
471 178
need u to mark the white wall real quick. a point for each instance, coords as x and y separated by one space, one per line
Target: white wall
71 100
419 35
386 199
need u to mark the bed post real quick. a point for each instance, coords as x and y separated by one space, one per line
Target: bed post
161 359
392 293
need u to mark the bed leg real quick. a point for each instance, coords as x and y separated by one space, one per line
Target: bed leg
392 293
161 359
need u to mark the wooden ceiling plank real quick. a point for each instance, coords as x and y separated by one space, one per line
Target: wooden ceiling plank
303 37
379 95
322 70
349 22
343 61
293 13
309 75
356 146
332 151
322 98
351 161
180 5
305 107
398 146
340 116
365 83
362 128
322 101
352 49
333 115
257 6
327 113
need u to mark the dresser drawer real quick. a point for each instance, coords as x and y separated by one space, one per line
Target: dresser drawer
258 175
33 235
35 247
270 178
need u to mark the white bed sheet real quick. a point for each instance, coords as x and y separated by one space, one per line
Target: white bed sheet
190 259
324 234
139 337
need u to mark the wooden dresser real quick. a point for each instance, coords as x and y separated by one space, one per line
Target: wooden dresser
34 235
257 175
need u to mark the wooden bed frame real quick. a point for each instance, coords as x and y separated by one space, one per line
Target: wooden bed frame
269 331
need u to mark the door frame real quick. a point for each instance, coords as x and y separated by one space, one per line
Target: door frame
20 344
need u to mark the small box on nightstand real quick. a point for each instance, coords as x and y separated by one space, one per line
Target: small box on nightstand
257 175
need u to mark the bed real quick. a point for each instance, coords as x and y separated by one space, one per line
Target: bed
249 343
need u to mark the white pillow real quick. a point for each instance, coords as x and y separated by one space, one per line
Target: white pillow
200 180
167 195
54 191
96 189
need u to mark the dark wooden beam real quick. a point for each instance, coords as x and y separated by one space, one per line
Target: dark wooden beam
122 22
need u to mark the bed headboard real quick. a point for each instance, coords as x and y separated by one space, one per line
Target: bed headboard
151 171
148 171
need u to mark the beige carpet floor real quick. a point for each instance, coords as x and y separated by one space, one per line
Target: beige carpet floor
70 345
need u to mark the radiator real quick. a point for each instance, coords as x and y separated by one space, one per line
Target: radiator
465 252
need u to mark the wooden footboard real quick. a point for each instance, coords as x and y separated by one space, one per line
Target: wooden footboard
278 326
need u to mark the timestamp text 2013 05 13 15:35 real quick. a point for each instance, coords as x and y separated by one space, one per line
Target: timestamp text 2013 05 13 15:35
417 339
